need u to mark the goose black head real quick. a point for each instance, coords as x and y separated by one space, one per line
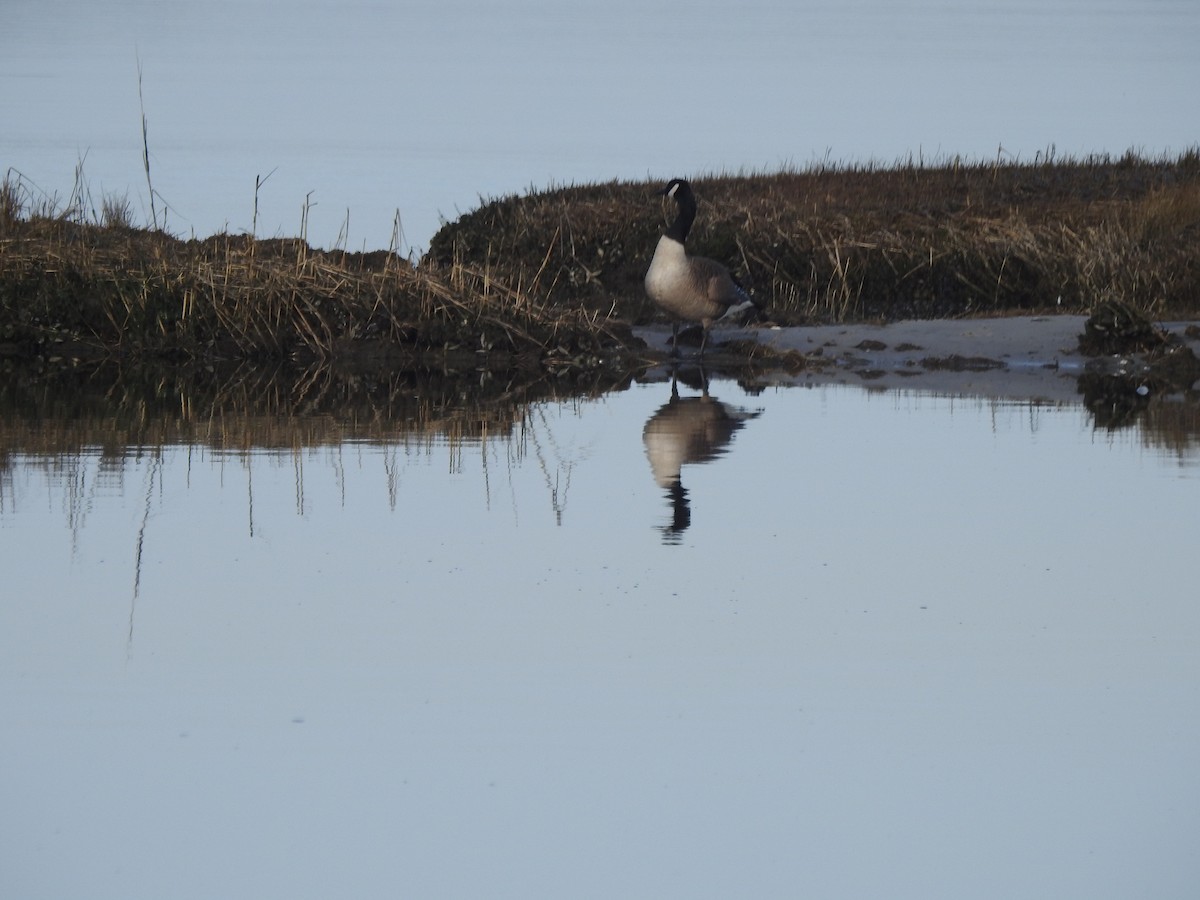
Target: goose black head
676 189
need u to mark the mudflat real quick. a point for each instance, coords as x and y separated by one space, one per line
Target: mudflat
1012 357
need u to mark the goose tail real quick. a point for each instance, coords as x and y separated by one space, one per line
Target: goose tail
748 307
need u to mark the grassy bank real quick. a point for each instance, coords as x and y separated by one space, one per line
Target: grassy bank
835 244
72 289
553 279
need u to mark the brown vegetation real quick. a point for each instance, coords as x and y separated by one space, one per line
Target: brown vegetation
71 289
553 278
843 244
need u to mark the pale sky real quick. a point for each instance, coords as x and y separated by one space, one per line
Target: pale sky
365 109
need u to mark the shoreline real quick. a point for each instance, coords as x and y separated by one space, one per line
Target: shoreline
1024 360
1019 358
555 279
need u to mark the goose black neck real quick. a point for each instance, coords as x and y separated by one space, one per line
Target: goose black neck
683 220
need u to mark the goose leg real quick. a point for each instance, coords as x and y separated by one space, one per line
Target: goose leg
674 338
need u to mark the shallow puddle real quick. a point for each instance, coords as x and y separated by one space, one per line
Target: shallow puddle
726 643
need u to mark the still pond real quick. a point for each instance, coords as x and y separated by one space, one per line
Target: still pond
757 641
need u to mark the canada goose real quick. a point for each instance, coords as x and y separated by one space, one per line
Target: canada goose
691 288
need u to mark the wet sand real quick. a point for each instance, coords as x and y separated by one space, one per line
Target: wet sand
1017 357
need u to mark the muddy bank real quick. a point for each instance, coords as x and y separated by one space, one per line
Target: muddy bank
1025 358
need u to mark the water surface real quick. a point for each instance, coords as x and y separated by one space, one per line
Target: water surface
903 645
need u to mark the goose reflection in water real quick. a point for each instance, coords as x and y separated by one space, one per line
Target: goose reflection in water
687 430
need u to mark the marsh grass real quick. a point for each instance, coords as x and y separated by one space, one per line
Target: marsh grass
842 243
78 286
553 278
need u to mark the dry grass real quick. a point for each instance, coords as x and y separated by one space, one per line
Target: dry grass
550 279
840 244
70 286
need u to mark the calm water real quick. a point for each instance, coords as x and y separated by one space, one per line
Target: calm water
364 108
895 645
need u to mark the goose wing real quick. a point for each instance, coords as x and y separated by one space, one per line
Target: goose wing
717 284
